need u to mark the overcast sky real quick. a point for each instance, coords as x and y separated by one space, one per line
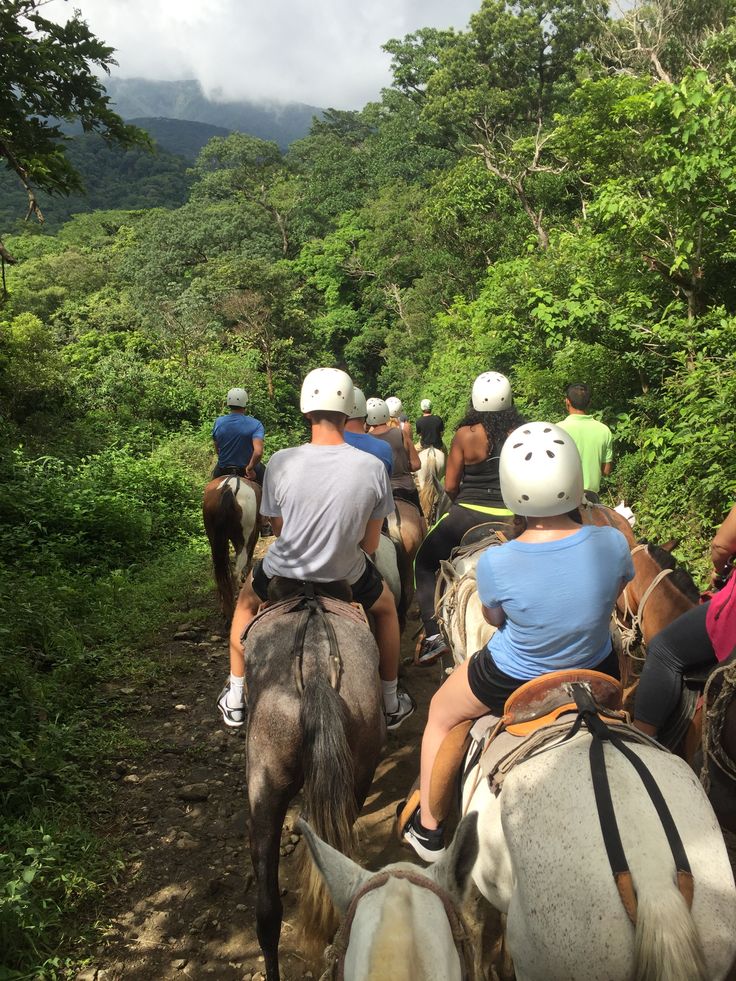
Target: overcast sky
322 52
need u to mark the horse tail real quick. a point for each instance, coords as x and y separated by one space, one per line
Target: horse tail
329 800
427 496
217 525
667 943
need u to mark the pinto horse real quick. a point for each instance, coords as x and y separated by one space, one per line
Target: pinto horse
315 721
230 510
428 477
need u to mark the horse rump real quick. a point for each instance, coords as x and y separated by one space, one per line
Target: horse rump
329 801
218 509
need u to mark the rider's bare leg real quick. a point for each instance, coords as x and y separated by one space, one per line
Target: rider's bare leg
245 611
388 637
452 703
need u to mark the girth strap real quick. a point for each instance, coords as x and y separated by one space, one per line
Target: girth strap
600 733
311 606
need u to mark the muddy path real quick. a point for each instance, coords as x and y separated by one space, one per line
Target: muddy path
184 905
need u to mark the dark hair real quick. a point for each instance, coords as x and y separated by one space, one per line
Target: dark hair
497 425
578 395
318 415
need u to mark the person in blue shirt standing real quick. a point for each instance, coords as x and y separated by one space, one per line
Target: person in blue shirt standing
356 435
238 440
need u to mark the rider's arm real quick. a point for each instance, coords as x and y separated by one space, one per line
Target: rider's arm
255 456
606 468
414 462
494 615
454 468
724 542
276 525
372 535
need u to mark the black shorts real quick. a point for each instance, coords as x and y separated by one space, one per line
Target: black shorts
365 590
492 686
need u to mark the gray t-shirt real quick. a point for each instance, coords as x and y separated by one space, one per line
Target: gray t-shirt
326 495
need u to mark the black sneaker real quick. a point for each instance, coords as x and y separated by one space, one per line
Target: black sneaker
429 845
232 717
407 705
432 650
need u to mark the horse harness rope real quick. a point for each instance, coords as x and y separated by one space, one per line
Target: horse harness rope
337 951
310 606
630 621
714 722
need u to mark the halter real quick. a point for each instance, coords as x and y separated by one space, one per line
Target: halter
630 621
337 951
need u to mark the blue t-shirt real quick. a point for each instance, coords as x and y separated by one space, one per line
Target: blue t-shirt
369 444
234 435
557 597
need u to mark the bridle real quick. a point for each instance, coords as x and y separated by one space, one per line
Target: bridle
336 952
630 620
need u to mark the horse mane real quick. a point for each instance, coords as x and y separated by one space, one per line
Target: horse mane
680 578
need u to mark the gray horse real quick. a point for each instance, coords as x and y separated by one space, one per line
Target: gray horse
315 720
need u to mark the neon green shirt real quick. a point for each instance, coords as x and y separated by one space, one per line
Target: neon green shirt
595 445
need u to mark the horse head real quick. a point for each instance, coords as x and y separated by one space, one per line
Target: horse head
401 922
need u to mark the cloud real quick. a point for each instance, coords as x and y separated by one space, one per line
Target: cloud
322 52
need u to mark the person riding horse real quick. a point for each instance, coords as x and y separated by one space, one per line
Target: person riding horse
326 501
404 454
471 481
706 634
549 592
238 440
355 433
429 427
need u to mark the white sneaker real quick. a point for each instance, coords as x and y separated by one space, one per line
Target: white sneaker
407 706
232 717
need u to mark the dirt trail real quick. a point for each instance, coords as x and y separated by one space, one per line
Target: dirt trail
184 907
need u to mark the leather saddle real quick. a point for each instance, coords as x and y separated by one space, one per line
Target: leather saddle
535 705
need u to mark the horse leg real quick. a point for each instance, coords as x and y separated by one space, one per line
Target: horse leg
267 819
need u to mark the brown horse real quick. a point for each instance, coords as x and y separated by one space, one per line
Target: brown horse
315 721
230 510
659 593
407 528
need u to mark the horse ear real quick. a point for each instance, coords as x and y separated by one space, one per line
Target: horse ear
343 877
453 870
671 544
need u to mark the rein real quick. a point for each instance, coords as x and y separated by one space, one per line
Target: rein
630 621
337 951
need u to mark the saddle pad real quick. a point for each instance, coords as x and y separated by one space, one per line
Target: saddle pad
268 611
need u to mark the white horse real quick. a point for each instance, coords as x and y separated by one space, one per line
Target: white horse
459 607
543 863
433 465
387 564
400 924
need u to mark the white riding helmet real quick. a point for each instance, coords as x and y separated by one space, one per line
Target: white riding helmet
376 412
394 406
359 410
329 390
237 398
426 405
492 392
540 469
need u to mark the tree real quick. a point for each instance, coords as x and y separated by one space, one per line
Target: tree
48 77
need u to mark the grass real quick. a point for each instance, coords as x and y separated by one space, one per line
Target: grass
64 721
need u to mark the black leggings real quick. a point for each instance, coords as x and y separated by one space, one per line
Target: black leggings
438 544
681 645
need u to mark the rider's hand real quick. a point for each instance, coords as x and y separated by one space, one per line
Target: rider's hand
250 473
